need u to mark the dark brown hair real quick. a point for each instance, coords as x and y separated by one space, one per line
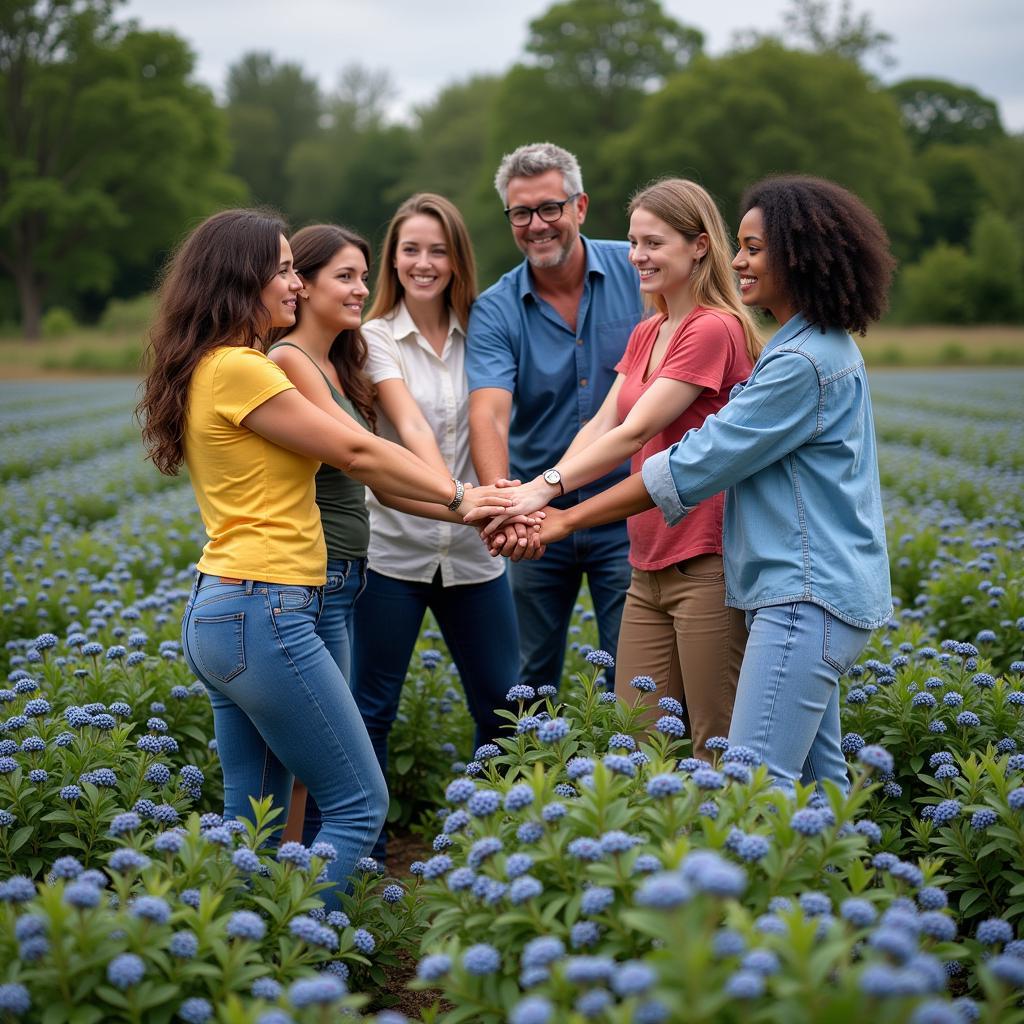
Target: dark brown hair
830 251
461 290
312 249
209 296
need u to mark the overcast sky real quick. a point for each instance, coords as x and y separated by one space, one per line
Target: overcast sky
427 45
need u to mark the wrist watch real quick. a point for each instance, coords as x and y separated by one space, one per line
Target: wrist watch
553 477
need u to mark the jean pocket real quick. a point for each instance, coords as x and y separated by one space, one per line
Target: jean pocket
335 581
294 599
842 643
702 569
219 645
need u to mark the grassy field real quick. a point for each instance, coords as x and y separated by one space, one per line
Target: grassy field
102 352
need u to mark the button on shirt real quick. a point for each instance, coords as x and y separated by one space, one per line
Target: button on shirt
558 376
405 546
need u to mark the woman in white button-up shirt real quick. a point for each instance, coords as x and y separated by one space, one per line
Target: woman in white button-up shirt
415 333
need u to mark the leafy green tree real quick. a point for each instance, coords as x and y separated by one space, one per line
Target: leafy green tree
107 148
610 45
956 179
939 289
839 31
935 111
271 107
998 269
728 121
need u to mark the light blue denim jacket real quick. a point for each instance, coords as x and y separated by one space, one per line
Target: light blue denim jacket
794 448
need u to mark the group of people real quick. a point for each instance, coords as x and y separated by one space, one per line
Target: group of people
606 408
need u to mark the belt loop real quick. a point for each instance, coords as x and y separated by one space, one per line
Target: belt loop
248 588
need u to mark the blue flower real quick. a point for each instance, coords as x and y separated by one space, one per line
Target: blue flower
946 811
481 850
708 778
459 791
753 848
619 764
589 970
524 889
671 725
481 959
530 832
645 684
664 785
152 908
745 985
585 848
1008 969
14 999
937 925
808 822
518 798
296 854
483 803
993 931
584 934
593 1002
664 890
195 1010
244 924
947 771
875 757
983 819
364 941
968 720
184 945
319 991
596 900
437 866
552 730
601 658
433 967
520 692
544 950
858 912
851 743
532 1010
125 970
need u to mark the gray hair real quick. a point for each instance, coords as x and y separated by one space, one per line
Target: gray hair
536 158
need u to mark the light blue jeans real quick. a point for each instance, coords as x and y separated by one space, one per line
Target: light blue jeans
346 580
281 708
787 699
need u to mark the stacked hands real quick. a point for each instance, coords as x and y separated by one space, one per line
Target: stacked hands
514 519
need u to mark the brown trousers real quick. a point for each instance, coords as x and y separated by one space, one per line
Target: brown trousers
677 629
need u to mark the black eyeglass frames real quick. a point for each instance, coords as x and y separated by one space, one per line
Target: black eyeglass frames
549 212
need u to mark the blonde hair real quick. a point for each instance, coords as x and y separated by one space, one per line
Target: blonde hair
687 208
461 290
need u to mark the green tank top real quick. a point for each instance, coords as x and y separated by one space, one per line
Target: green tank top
342 500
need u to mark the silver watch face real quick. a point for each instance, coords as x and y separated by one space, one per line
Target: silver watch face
552 476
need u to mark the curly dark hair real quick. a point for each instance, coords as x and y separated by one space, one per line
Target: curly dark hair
830 251
209 296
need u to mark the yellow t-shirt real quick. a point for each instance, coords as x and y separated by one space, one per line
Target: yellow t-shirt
257 500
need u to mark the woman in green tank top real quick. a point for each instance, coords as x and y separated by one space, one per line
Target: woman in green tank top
323 356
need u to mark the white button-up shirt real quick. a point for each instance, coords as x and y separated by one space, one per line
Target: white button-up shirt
404 546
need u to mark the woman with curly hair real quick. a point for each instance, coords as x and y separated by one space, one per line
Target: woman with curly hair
252 444
804 538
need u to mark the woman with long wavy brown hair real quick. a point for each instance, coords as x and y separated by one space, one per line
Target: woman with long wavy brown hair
252 444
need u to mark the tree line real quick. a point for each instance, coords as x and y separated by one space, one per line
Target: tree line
110 149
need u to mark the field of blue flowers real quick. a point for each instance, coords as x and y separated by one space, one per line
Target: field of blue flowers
584 868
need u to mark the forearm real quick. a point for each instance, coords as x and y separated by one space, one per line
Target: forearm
379 463
600 456
489 448
625 499
424 509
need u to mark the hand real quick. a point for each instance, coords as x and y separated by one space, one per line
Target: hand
515 539
530 497
555 526
481 503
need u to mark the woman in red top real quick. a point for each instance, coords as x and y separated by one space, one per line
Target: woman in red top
678 368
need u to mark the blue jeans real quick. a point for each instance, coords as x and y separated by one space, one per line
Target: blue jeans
787 699
281 709
546 589
478 623
346 578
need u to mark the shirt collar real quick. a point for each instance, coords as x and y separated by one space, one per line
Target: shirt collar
795 325
403 325
595 264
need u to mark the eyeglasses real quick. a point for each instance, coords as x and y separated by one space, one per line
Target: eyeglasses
549 212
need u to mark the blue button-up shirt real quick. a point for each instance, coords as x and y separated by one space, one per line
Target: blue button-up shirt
558 377
795 446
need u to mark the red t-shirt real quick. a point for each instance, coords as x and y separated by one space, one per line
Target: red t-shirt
708 349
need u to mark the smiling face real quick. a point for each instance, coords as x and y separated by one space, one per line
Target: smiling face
338 290
422 260
546 245
663 256
759 284
278 294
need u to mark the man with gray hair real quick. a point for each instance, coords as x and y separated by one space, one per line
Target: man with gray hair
542 346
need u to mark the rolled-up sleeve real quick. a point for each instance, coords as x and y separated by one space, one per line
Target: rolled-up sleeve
773 415
490 361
